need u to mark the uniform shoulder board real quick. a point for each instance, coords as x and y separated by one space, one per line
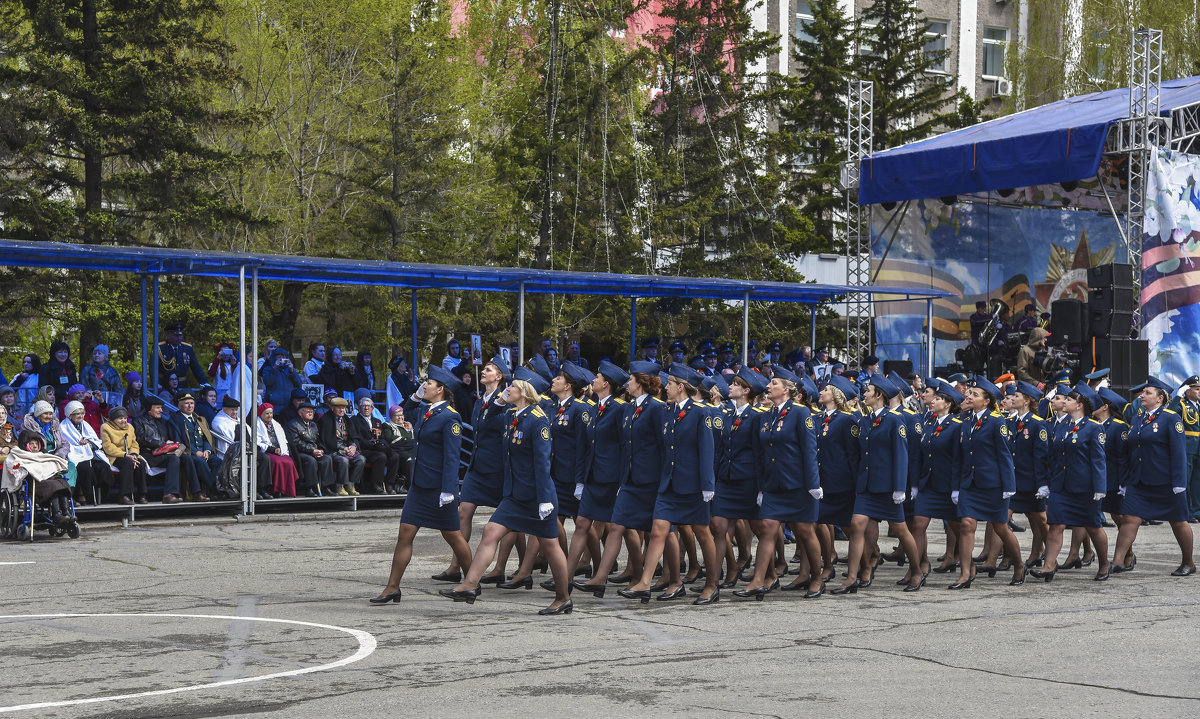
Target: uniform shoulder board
1119 421
452 410
185 344
537 412
846 412
759 409
1040 419
908 411
656 400
956 420
1168 411
589 401
895 412
1092 421
996 414
618 400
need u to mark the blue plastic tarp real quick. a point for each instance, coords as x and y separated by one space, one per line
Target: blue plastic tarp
1059 142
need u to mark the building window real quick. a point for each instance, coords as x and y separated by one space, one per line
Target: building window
865 47
935 44
804 16
995 39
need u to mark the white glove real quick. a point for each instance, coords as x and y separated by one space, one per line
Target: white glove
707 496
579 491
1177 490
817 493
897 497
758 501
544 510
1043 492
914 493
954 496
445 498
1120 491
1098 496
1006 495
421 391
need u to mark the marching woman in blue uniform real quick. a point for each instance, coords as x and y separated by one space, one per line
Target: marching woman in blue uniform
529 495
1157 476
986 481
607 463
432 500
1031 447
939 469
837 459
484 481
686 487
790 484
882 482
1109 413
642 436
738 469
1080 482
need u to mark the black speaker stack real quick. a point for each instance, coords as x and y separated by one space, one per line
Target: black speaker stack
1109 319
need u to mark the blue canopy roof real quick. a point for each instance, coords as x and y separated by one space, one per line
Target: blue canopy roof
164 261
1059 142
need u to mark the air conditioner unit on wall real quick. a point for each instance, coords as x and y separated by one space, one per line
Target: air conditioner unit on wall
1003 87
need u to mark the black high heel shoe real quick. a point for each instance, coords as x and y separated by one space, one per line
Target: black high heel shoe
989 570
1087 561
1036 561
1046 576
447 577
494 579
1018 582
385 598
851 589
596 590
727 585
642 594
565 608
461 595
1103 576
668 596
1074 564
548 585
711 599
620 579
962 585
540 567
813 595
660 586
946 568
1121 568
920 583
526 583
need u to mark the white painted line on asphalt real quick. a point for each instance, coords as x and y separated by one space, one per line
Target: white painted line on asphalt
6 564
366 646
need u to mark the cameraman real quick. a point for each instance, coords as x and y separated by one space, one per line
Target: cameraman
1028 368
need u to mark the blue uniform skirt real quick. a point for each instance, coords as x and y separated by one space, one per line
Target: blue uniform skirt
421 510
878 506
736 500
1155 503
681 508
795 505
634 508
483 489
935 505
1073 509
523 517
985 505
836 509
598 500
567 505
1026 502
1113 503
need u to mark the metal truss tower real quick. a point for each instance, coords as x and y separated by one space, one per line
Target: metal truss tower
1147 130
859 136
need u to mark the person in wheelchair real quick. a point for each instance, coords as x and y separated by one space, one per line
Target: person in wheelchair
50 488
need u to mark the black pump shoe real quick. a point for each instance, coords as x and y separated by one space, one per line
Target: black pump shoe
990 570
642 594
460 595
564 608
1045 576
852 589
1184 571
668 596
526 583
495 579
447 577
597 590
920 583
946 568
385 598
962 585
711 599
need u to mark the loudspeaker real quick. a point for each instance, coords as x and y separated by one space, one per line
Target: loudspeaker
904 367
1110 323
1139 361
1068 322
1119 299
1128 359
1111 275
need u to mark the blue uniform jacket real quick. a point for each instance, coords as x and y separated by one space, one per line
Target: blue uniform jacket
789 449
527 457
1031 451
940 458
487 420
743 458
687 466
913 427
1190 414
607 453
837 451
722 417
1116 453
1157 452
439 440
1079 450
643 438
884 444
987 459
569 453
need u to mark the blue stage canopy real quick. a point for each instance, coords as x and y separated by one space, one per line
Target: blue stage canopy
163 261
1059 142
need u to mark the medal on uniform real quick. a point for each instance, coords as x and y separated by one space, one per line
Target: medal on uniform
1154 427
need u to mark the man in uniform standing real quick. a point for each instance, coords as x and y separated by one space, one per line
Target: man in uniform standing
1188 407
178 357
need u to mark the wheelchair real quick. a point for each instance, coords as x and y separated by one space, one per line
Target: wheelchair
21 516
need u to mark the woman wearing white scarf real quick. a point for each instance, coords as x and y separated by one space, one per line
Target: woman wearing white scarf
83 450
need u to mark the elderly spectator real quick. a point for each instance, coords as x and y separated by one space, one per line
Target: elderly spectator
220 372
401 384
8 435
227 430
51 490
208 405
8 400
285 415
93 475
364 372
400 436
162 448
337 441
304 444
99 376
201 459
96 411
316 358
273 441
28 377
41 419
368 431
133 401
453 355
120 445
336 374
178 357
279 378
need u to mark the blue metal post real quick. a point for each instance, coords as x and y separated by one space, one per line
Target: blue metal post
812 328
632 328
154 346
145 336
412 360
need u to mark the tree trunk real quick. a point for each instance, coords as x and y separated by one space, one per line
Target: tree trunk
92 158
545 225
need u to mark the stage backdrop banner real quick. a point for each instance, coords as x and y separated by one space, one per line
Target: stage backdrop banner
988 248
1170 297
